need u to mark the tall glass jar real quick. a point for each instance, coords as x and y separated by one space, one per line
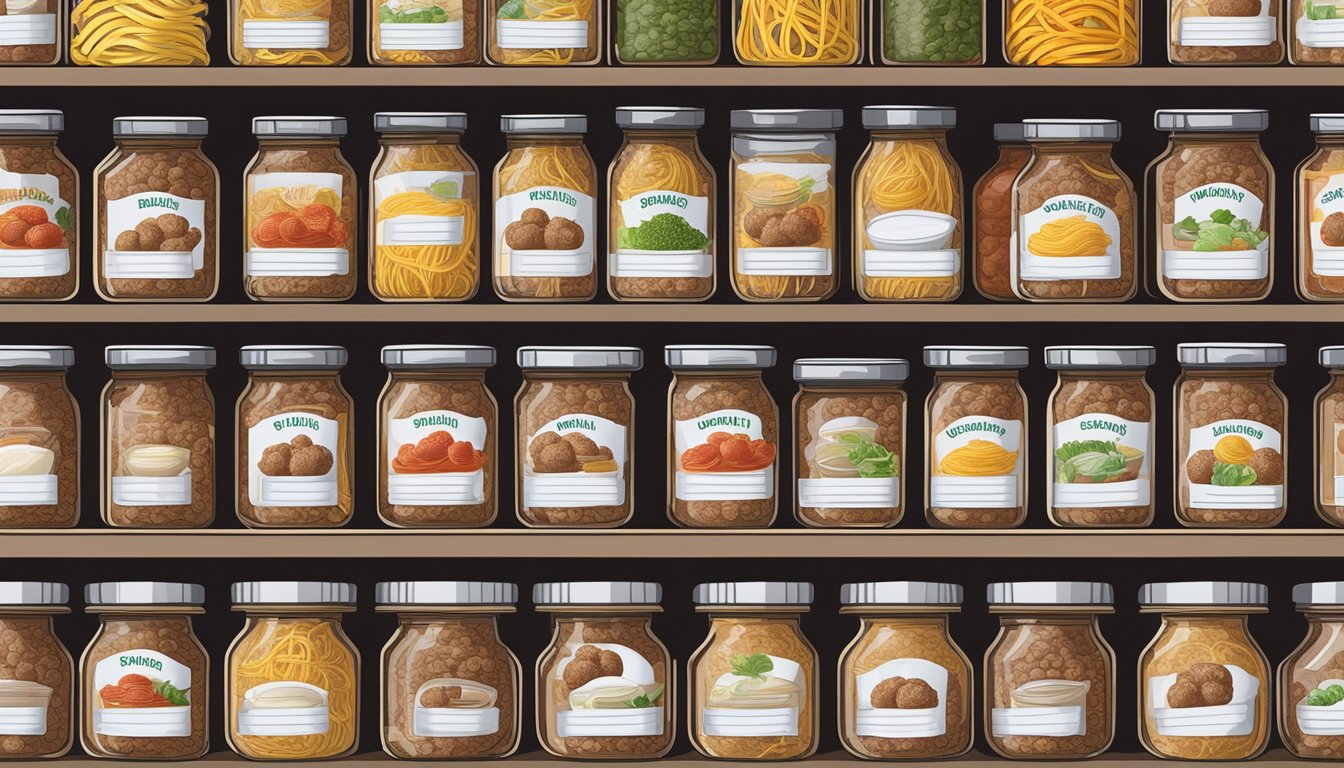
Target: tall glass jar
1318 208
140 33
784 214
661 208
158 427
666 32
424 222
1314 33
317 33
39 439
932 32
1057 33
299 212
1329 435
37 675
992 256
33 33
291 678
905 685
544 32
1311 679
39 215
753 683
1214 200
810 33
1242 32
1203 680
437 33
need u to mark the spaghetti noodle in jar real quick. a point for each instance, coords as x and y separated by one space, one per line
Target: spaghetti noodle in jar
424 32
1072 33
290 33
1311 680
1318 198
37 674
1224 31
291 678
39 209
139 33
798 33
992 256
544 32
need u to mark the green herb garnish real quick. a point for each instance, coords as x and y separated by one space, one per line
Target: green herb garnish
1095 461
170 692
1326 697
1232 474
1223 231
751 665
512 9
430 15
445 189
662 232
869 458
648 698
65 221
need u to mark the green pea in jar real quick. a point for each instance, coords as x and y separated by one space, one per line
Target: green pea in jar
667 31
939 32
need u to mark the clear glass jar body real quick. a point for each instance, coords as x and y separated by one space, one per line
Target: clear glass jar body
447 265
992 256
38 411
1311 42
43 187
1329 458
660 173
38 42
932 33
300 219
515 32
442 33
831 491
318 34
644 35
1316 201
1308 730
139 34
784 216
976 438
1242 33
36 658
1050 34
812 33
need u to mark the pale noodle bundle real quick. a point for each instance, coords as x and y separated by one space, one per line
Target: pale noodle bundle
1072 33
426 271
979 458
284 10
1070 237
549 10
654 167
118 33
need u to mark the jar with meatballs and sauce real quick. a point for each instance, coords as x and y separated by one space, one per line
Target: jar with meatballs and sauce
723 437
1330 439
437 427
575 422
545 239
1231 434
1101 437
37 691
157 201
784 220
1311 679
39 439
39 208
451 688
1075 214
312 33
753 682
660 218
905 686
605 684
158 438
295 438
1050 675
145 678
991 259
1214 193
299 212
1224 32
849 441
1318 197
435 33
975 426
1203 680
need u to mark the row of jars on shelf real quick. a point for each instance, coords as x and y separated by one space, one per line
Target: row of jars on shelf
1055 218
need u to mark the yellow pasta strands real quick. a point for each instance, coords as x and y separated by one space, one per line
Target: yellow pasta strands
1233 449
906 176
659 166
427 271
798 31
1072 33
118 33
1069 237
550 10
566 167
979 458
289 10
750 189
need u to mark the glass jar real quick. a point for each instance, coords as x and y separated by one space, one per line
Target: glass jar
1214 206
784 214
433 34
39 208
1075 231
605 686
158 427
575 422
661 210
1312 38
39 439
992 256
145 677
1318 203
849 441
544 32
296 443
1057 33
299 212
37 675
1241 32
438 427
905 686
908 226
424 224
753 682
139 33
316 34
1231 434
644 34
975 433
451 688
1330 439
1050 675
932 32
32 33
1101 437
1311 679
291 683
1203 680
808 33
545 240
157 201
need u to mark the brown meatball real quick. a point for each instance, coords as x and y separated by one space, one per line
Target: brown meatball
558 457
579 672
916 694
177 244
610 663
1234 7
885 693
582 444
172 225
127 241
539 443
1207 672
800 228
810 214
441 696
1199 467
773 235
755 220
274 461
587 652
523 236
1332 230
535 216
1268 466
150 235
1184 693
301 441
313 461
562 234
1216 694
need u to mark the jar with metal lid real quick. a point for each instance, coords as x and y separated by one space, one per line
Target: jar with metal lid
424 222
1329 496
37 675
605 685
32 33
753 683
438 428
975 433
575 430
661 210
905 685
1203 680
1231 434
296 443
145 677
544 33
299 212
810 33
992 257
722 437
1318 203
545 240
1311 679
1058 33
39 438
1214 193
451 688
39 208
1203 32
1075 216
931 32
291 679
849 441
664 32
1050 675
784 214
1101 437
265 34
907 207
158 427
437 33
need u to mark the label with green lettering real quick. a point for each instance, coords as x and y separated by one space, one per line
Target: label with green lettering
141 693
576 460
292 460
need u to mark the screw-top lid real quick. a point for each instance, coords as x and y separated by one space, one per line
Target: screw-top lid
1332 357
787 119
299 126
36 357
1211 120
581 358
660 117
1203 593
716 357
1009 133
1319 593
419 122
33 593
543 123
977 358
164 357
32 121
143 593
597 593
850 370
295 357
1099 358
292 593
797 593
1327 122
428 356
1050 593
1231 355
1071 130
909 117
901 593
445 593
160 126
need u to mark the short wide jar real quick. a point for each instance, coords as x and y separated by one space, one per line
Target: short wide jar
1311 679
37 675
1330 439
1202 33
39 218
39 438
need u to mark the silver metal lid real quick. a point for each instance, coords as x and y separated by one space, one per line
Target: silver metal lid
1231 355
1071 130
1099 358
1009 133
143 593
1211 120
581 358
445 593
160 126
787 119
1319 593
1203 593
909 117
32 121
33 593
1332 357
754 593
660 117
850 370
299 126
597 593
543 123
1327 122
717 357
901 593
419 122
295 357
428 356
977 358
1050 593
36 357
164 357
292 593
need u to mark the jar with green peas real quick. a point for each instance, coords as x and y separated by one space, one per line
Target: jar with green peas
938 32
667 31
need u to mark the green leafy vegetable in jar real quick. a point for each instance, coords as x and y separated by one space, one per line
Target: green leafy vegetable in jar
663 232
667 30
938 31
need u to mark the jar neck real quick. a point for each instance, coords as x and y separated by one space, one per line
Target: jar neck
647 136
1050 619
1101 375
548 375
1215 138
397 139
931 134
1246 374
722 615
963 374
33 376
737 373
305 374
1233 622
29 140
1014 153
156 375
832 390
603 615
1330 140
938 621
1332 617
443 374
159 142
289 614
421 619
524 140
332 143
1097 149
173 614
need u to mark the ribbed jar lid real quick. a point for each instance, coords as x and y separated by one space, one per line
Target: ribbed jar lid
581 358
1009 133
977 358
445 593
33 593
901 593
1332 357
32 121
299 126
718 357
296 357
160 126
892 118
428 356
1099 358
160 358
787 119
660 117
1231 355
1050 593
850 370
543 123
36 357
143 593
1203 593
419 122
1327 122
1319 593
597 593
292 593
1211 120
1071 130
797 593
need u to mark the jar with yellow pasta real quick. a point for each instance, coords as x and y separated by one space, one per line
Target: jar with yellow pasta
543 32
1318 198
1203 680
1311 679
784 214
425 217
292 676
783 33
907 207
290 33
424 32
139 33
1072 33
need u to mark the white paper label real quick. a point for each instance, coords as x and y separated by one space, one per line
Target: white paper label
765 703
139 676
800 259
28 29
723 456
1221 465
1055 708
540 259
296 229
977 460
164 256
1228 31
1102 461
288 475
407 217
602 706
271 34
1326 222
910 243
540 34
637 254
836 482
284 708
1235 718
577 460
1209 232
435 458
41 253
399 32
1070 237
879 717
1322 32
